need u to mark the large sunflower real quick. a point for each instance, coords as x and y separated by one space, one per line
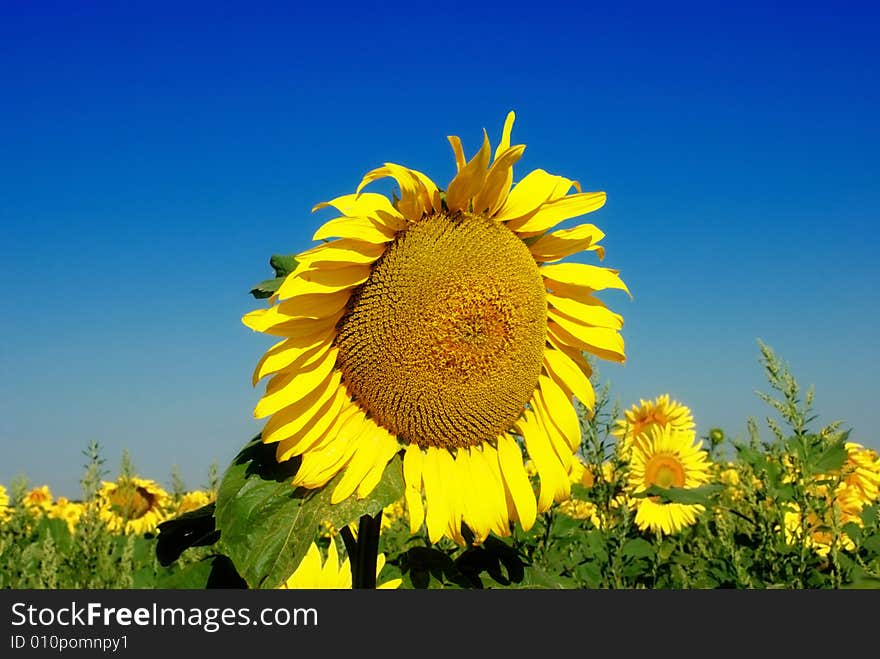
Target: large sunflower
442 324
666 457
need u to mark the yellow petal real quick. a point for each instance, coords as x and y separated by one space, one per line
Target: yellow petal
436 507
290 420
468 182
516 481
560 411
600 341
301 327
323 281
460 161
565 242
412 477
388 446
293 440
554 482
359 228
567 374
368 204
485 468
504 144
293 389
558 443
586 309
582 276
411 203
497 185
554 212
361 461
345 251
528 195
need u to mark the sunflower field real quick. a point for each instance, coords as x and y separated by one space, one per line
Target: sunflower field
797 509
434 418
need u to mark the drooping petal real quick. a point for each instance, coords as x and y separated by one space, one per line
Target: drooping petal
554 482
567 374
582 275
560 411
306 381
510 459
412 194
412 476
601 341
587 309
299 441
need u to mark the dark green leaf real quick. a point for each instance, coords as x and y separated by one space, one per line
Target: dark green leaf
283 264
267 526
267 288
196 528
637 548
831 459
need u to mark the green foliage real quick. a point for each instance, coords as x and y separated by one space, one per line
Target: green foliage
283 265
768 519
266 525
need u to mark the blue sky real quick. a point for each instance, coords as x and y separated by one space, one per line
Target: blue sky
153 157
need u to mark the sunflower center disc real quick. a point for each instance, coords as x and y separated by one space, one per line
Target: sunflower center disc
443 344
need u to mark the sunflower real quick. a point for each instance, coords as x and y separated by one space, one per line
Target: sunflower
132 505
666 457
38 501
648 413
818 531
194 500
69 511
332 574
5 510
442 324
860 475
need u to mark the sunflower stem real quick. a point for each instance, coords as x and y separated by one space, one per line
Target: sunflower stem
363 562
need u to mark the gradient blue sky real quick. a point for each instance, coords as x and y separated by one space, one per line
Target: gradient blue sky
153 156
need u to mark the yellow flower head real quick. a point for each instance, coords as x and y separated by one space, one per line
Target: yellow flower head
861 475
69 511
5 510
38 501
133 505
666 457
444 326
313 573
194 500
641 418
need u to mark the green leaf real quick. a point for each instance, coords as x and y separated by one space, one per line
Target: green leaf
831 459
690 496
196 528
266 525
267 288
283 264
637 548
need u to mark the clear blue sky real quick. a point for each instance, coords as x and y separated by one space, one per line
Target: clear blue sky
153 156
